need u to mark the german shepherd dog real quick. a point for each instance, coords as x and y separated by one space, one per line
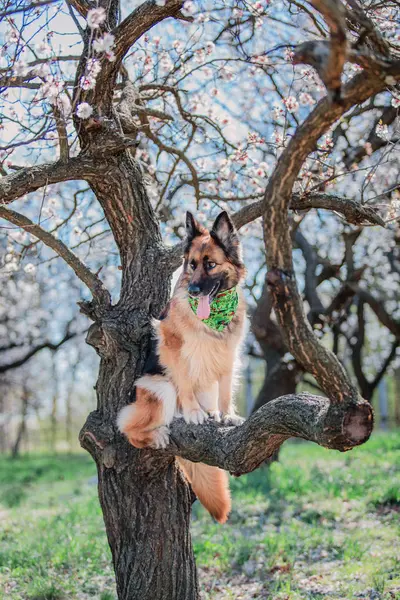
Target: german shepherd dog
196 355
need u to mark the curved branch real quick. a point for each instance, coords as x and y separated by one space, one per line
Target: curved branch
302 343
354 213
95 285
242 449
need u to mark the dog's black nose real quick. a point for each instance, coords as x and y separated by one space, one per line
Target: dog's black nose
194 289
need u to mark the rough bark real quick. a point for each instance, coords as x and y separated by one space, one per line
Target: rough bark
146 503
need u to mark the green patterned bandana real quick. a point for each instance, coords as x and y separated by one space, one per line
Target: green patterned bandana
222 309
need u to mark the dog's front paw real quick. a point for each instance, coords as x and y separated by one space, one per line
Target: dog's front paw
232 419
215 415
160 437
194 415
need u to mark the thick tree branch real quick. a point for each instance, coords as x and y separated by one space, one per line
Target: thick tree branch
360 22
352 211
95 285
331 65
302 343
141 20
30 179
242 449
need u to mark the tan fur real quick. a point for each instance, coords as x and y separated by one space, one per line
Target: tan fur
211 486
200 363
145 415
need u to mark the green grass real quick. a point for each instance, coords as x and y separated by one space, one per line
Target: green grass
318 524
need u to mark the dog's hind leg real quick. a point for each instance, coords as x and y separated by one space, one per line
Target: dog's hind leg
146 421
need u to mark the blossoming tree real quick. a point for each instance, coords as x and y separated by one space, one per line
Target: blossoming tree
151 124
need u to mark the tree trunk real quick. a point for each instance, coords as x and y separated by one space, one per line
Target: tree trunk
22 427
146 501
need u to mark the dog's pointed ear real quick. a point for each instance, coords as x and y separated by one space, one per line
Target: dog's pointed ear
224 230
192 227
225 235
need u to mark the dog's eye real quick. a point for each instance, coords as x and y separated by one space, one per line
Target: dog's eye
193 265
211 265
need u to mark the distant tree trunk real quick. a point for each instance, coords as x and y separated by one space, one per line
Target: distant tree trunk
3 433
68 421
22 427
280 377
397 397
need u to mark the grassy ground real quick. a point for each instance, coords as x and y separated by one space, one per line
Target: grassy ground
317 525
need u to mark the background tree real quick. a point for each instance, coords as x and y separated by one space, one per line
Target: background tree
132 118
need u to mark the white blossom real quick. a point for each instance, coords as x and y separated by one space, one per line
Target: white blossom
30 268
95 17
84 110
104 43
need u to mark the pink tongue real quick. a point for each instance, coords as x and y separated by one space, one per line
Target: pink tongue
203 308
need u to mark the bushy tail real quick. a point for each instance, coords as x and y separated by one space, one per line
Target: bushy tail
211 486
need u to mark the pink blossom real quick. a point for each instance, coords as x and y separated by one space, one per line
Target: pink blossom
260 60
12 36
254 138
110 56
95 17
43 70
306 99
178 46
289 54
291 104
210 46
44 48
19 68
87 82
51 88
188 8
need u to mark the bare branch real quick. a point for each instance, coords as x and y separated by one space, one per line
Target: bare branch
378 307
50 345
95 285
27 8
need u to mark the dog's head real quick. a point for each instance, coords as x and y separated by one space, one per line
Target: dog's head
212 259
